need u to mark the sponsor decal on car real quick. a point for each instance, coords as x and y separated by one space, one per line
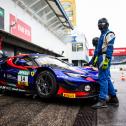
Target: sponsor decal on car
69 95
32 73
23 77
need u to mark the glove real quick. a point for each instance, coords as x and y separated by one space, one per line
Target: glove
105 64
95 61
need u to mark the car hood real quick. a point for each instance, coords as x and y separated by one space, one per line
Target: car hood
87 72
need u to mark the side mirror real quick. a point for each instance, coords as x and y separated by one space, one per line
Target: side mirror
21 62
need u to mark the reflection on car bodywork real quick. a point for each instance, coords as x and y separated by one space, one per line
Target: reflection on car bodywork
48 76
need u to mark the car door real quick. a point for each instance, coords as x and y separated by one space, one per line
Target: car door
18 72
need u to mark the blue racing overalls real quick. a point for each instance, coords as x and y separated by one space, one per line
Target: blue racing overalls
105 50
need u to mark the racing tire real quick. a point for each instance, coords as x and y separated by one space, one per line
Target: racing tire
46 84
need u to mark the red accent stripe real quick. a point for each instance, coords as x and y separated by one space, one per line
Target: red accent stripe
10 63
78 94
90 79
2 82
33 67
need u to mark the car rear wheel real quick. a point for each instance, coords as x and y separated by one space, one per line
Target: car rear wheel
46 84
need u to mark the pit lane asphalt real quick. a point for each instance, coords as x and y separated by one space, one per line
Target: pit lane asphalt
115 116
20 110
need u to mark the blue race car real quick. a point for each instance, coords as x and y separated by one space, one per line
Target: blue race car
47 76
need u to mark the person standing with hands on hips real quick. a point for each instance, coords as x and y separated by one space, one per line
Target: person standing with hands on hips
103 56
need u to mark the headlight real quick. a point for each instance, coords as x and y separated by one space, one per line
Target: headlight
74 75
87 88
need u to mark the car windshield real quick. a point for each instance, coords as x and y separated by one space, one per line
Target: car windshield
49 60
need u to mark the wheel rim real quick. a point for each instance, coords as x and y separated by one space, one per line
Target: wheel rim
44 84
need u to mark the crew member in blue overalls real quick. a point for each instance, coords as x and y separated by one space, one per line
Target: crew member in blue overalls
103 56
94 43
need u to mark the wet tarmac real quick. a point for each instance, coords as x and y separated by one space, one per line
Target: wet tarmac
20 110
115 116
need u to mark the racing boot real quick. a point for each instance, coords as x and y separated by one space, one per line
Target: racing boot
113 101
100 104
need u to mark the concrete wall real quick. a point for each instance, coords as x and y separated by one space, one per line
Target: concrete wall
40 35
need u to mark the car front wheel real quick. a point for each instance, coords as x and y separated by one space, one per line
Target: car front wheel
46 84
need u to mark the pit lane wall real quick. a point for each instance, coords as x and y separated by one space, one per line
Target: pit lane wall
34 32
